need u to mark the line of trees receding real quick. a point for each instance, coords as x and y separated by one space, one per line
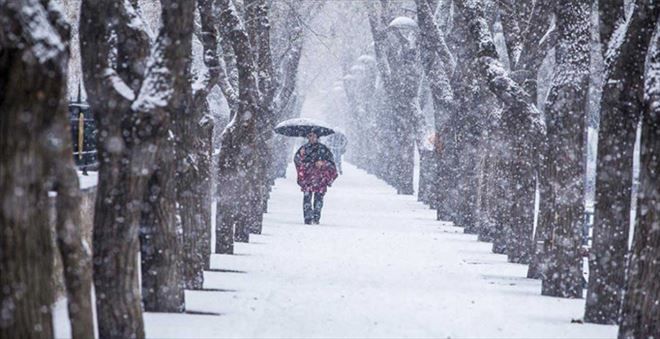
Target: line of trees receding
158 171
502 134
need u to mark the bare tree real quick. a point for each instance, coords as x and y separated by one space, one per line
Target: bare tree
36 140
565 162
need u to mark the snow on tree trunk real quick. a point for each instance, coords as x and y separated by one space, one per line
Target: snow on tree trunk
399 71
238 152
463 128
194 154
523 128
126 156
134 97
438 65
36 146
620 107
527 45
166 88
640 316
257 12
565 161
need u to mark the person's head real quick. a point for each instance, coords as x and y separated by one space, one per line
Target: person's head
312 138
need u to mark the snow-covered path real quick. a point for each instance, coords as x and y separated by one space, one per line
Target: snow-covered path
379 265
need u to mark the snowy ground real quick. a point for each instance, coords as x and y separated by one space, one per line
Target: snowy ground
379 265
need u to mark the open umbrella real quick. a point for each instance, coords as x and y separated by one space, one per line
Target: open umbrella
301 127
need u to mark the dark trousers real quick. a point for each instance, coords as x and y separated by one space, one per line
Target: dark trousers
312 214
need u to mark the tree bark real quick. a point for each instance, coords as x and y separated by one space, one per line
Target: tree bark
32 88
239 140
124 163
518 110
438 64
76 253
640 316
620 106
565 162
166 88
528 45
195 152
398 68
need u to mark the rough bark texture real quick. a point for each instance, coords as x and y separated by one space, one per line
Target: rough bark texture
74 249
640 317
620 106
528 44
33 60
565 163
125 162
257 12
194 186
519 113
166 88
239 140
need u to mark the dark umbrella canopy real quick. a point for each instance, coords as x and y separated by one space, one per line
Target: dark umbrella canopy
301 127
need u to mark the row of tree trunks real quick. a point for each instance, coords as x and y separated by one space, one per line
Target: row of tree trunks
239 144
398 69
258 28
621 104
565 165
519 111
438 65
195 154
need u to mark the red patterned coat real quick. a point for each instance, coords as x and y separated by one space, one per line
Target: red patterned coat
315 167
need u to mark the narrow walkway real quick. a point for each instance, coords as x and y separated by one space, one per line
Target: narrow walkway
379 265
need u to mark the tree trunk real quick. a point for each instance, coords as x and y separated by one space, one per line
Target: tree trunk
518 111
640 316
32 89
620 107
398 68
527 45
239 141
565 162
162 283
195 153
76 254
133 102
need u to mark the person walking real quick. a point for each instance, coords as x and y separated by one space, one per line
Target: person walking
337 143
316 169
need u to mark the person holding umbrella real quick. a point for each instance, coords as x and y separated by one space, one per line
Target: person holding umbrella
315 165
